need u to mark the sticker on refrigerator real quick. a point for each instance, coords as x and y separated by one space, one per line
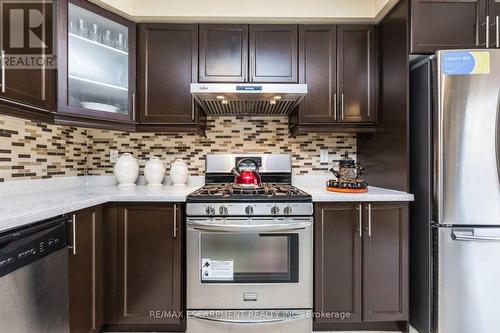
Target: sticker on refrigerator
216 270
466 62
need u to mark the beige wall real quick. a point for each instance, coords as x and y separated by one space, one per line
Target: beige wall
296 11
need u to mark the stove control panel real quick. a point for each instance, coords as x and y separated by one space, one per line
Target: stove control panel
249 209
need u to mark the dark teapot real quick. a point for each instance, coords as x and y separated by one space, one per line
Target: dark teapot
349 171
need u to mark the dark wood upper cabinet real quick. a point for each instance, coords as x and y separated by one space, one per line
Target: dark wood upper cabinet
337 272
223 53
357 74
318 68
96 72
494 14
29 88
150 266
28 93
168 64
85 271
385 262
447 24
273 53
339 65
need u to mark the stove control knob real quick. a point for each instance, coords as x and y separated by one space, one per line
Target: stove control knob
287 210
275 210
210 210
249 210
223 210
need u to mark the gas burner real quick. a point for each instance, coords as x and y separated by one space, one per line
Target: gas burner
263 192
273 196
242 187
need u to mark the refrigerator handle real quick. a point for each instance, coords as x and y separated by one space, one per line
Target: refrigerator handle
497 36
487 31
497 24
468 235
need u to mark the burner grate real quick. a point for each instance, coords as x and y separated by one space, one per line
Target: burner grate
232 191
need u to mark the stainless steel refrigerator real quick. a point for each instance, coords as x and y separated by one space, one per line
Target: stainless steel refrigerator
455 172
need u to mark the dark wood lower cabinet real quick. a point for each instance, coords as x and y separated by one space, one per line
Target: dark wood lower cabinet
385 262
85 271
144 274
361 266
337 263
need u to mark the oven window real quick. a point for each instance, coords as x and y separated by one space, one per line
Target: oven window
249 258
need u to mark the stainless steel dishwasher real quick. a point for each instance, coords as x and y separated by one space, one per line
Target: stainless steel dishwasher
34 278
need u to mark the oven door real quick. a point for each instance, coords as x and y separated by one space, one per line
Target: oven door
249 263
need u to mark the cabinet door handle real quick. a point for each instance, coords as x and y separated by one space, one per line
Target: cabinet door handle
252 67
73 224
498 31
487 31
193 106
342 108
133 105
477 31
360 220
175 221
369 208
334 106
2 55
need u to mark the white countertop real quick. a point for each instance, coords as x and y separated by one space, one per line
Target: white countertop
25 202
25 208
316 187
320 194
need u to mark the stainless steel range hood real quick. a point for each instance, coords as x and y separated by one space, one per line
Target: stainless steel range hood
226 99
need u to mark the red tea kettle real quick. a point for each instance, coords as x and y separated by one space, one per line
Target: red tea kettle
247 178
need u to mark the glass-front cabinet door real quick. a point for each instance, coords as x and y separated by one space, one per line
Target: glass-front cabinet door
97 64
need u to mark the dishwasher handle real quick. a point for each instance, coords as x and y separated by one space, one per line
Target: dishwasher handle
24 234
21 247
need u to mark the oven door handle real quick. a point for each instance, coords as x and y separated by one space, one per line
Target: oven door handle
253 228
251 321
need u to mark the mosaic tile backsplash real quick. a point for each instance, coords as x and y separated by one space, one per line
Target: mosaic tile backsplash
35 150
30 150
224 135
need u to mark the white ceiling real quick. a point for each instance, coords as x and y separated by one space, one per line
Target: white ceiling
251 11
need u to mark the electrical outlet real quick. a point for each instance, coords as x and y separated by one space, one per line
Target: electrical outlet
323 156
113 155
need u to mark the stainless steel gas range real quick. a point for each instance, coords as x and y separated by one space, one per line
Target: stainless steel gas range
249 251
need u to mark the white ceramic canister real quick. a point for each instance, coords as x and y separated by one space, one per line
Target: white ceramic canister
154 171
179 173
126 170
